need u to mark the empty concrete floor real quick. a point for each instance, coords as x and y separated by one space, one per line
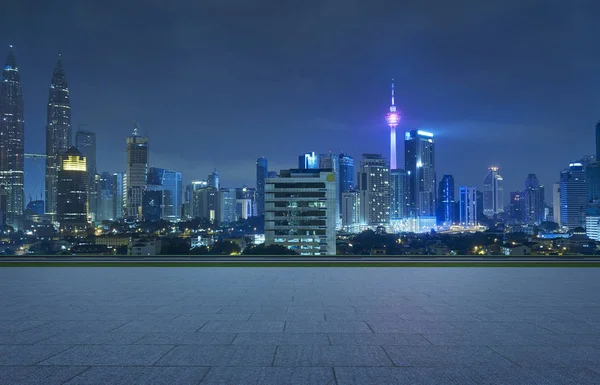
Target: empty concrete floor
299 325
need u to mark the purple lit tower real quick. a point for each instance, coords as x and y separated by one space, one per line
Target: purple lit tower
392 119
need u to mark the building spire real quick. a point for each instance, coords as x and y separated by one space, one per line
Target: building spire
393 106
136 129
11 62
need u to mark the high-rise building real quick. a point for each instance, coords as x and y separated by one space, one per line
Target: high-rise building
392 119
300 211
58 133
517 206
85 141
206 204
246 202
71 200
351 210
493 193
346 173
213 180
189 200
105 201
534 201
172 193
272 174
227 205
398 194
119 193
374 187
152 203
573 196
262 171
468 206
420 165
308 160
11 142
598 142
137 172
329 161
446 216
556 202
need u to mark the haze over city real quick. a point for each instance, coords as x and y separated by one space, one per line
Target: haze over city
219 84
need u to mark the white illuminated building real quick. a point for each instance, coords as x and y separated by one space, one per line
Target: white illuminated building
300 211
418 225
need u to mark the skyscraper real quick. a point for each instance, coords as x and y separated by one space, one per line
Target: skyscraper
58 132
493 193
227 205
392 119
86 143
517 206
420 165
468 206
374 187
447 203
573 196
213 180
398 194
71 199
351 210
534 201
598 142
12 141
308 160
262 171
172 193
105 202
118 193
136 174
556 202
345 177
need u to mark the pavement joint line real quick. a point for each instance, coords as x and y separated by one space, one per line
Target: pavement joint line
369 326
335 381
388 356
55 354
167 352
284 326
274 355
203 325
204 375
234 338
76 375
502 355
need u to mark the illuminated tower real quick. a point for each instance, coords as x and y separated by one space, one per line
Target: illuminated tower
493 200
392 119
136 174
58 132
11 142
72 189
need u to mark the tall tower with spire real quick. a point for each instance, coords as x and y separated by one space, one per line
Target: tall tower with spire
137 172
11 143
392 119
58 132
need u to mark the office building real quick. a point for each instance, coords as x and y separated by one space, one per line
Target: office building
420 165
573 196
493 193
137 172
11 142
71 201
262 172
188 205
152 203
272 174
592 227
309 160
392 119
36 207
329 161
119 192
517 206
351 211
398 194
171 182
85 141
534 201
468 206
446 216
105 198
374 187
227 205
246 197
300 211
213 180
205 204
346 174
556 202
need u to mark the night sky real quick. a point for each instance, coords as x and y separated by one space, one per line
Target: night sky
218 83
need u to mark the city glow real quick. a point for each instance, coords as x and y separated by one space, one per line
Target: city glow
425 133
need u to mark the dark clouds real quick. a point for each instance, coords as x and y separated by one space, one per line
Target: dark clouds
218 83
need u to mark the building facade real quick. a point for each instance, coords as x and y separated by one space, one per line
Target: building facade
136 174
573 196
468 206
309 160
85 141
227 205
262 172
300 211
534 201
374 186
72 188
398 194
12 140
447 203
493 193
58 133
172 185
351 211
420 165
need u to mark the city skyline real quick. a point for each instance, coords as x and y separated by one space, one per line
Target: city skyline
474 104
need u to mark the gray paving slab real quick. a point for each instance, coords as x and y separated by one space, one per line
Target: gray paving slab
215 355
243 327
329 355
414 326
23 337
99 338
551 356
445 356
15 326
175 338
327 327
124 355
132 375
398 376
535 376
281 339
147 326
378 339
269 376
35 375
28 354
